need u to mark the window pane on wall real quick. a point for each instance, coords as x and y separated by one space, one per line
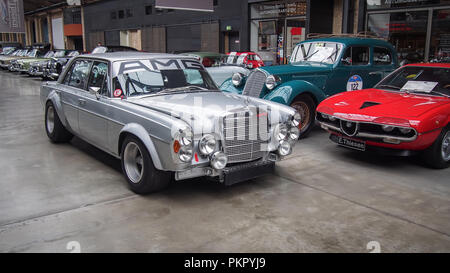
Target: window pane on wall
405 30
440 36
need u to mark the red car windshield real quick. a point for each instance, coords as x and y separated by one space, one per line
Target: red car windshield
419 79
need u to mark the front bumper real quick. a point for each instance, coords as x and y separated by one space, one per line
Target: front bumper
234 173
380 150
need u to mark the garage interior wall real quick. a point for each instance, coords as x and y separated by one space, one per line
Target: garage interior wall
154 39
95 38
184 38
210 37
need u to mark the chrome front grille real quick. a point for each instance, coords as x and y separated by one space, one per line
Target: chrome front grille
254 84
246 135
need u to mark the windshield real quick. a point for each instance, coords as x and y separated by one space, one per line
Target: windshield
146 79
49 54
99 49
59 54
32 53
322 52
8 50
73 54
433 80
234 58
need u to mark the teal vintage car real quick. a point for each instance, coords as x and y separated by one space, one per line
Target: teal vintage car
318 68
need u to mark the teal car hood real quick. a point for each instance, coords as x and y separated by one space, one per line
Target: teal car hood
298 68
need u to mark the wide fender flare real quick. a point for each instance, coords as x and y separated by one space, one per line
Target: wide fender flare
55 98
140 132
286 92
227 86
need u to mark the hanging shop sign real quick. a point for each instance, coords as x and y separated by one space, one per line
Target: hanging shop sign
377 4
278 9
11 16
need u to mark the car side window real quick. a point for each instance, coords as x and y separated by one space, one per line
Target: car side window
356 55
79 74
99 76
381 56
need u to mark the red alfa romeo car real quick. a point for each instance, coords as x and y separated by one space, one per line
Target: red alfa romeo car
249 58
406 113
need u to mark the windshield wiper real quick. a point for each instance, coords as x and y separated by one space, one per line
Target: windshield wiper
389 86
181 88
330 57
429 92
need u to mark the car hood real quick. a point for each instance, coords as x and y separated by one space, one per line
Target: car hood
368 104
297 68
205 107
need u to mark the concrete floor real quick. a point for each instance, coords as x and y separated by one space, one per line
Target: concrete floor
322 199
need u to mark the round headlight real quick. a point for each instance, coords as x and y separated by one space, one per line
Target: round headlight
185 154
236 79
219 160
324 116
294 133
186 137
296 119
281 132
207 144
285 148
387 128
405 130
271 82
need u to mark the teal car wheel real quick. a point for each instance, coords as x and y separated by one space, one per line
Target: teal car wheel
306 107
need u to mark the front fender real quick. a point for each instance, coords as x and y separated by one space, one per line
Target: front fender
286 92
143 135
227 86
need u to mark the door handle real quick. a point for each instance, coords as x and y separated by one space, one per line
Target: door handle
81 102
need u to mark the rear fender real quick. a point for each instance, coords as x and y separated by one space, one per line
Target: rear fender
55 98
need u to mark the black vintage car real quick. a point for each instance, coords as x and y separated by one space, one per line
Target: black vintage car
53 67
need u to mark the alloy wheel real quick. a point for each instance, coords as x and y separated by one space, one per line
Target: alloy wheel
133 162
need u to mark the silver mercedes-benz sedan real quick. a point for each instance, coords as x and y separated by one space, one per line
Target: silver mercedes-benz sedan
165 118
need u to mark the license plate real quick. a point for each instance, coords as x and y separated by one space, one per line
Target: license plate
349 143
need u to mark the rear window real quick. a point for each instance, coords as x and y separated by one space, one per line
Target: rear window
382 56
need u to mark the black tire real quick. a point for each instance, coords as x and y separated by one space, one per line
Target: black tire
149 179
433 156
306 106
59 133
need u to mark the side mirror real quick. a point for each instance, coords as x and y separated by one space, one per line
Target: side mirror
95 91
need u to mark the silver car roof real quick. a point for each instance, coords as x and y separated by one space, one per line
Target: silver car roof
124 55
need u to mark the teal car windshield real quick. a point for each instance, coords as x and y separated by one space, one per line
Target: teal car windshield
321 52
